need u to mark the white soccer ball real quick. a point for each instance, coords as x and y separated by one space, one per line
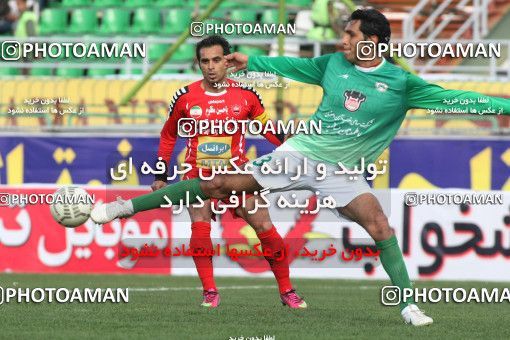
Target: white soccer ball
71 207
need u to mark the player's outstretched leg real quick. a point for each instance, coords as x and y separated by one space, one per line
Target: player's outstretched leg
272 242
221 186
367 212
104 213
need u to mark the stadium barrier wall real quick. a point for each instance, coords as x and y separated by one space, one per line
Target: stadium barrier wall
439 242
414 163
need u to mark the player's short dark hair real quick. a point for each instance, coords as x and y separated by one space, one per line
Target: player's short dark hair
213 40
373 22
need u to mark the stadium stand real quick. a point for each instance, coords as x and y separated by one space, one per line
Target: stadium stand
168 18
111 20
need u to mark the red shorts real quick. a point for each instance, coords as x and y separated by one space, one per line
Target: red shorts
194 173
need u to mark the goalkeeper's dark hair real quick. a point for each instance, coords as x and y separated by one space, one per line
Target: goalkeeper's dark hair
213 40
373 22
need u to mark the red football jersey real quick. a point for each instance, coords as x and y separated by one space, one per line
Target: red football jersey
235 102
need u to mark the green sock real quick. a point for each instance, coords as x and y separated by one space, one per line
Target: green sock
174 192
393 262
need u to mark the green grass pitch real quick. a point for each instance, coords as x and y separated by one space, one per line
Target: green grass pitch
164 307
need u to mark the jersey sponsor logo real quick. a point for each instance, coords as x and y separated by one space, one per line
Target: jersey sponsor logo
217 101
353 100
210 111
213 163
213 149
223 111
381 87
195 111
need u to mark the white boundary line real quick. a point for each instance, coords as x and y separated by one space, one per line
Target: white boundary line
165 289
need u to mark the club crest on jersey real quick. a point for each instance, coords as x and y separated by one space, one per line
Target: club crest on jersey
353 100
195 111
236 109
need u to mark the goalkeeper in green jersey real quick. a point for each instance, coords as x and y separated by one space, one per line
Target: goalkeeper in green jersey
363 105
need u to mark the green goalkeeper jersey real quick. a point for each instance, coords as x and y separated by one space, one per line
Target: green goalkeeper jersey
362 109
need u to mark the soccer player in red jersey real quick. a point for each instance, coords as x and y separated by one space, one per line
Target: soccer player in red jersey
217 98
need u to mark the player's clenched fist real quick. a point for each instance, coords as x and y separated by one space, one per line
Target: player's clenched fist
156 185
